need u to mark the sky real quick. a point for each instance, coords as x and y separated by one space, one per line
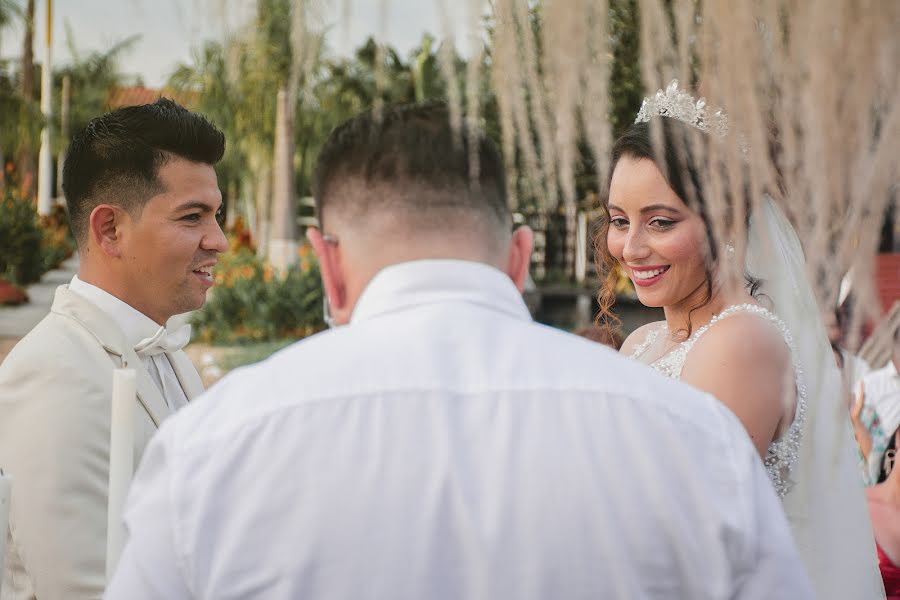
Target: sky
170 28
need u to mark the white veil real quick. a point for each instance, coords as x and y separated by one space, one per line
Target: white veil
827 507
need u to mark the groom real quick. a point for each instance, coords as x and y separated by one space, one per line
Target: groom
439 443
142 198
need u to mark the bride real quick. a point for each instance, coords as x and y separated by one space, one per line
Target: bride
745 329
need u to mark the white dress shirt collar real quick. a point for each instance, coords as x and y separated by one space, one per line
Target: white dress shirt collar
419 282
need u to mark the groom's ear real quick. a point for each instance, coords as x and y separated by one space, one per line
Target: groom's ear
105 225
518 259
328 253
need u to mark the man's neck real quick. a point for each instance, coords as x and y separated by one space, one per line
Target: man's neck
108 285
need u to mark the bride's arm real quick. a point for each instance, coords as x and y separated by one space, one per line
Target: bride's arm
744 362
860 431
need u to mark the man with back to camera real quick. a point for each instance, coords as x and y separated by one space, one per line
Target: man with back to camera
438 443
142 197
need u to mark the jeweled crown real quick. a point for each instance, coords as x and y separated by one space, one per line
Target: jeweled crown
677 104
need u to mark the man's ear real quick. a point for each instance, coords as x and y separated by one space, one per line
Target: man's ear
105 229
519 259
328 255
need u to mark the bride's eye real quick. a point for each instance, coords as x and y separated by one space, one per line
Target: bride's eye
618 222
662 224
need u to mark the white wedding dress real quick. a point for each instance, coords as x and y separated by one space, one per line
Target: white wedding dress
782 452
812 465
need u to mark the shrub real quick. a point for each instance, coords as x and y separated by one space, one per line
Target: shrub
57 243
251 303
21 259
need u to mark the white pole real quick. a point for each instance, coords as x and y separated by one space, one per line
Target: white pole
121 462
45 158
283 227
581 248
5 490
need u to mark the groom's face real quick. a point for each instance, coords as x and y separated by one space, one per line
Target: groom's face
170 249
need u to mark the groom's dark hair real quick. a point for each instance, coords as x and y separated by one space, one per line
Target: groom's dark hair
116 158
409 159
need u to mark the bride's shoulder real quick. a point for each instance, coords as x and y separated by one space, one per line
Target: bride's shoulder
639 336
744 338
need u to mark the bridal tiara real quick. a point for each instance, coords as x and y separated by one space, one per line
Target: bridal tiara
677 104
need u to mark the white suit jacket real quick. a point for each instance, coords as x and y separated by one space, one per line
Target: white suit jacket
444 446
55 398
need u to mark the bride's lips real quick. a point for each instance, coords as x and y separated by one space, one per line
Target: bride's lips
647 276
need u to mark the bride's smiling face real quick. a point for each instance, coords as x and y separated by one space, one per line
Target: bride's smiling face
659 241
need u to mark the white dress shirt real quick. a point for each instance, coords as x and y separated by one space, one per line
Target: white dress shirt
137 327
882 392
443 445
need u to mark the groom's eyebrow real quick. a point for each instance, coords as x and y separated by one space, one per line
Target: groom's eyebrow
197 204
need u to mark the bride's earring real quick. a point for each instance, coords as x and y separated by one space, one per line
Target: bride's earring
729 248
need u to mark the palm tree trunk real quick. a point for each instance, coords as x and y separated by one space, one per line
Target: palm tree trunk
25 158
571 233
65 125
231 204
283 240
263 205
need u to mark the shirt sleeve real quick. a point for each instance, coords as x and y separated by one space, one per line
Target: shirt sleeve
151 565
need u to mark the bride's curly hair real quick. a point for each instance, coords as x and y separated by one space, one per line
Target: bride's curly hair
681 170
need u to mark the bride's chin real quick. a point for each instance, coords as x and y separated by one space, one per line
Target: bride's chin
651 300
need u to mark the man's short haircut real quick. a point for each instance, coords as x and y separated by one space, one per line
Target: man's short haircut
411 163
116 158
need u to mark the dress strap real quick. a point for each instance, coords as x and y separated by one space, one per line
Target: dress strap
648 341
745 308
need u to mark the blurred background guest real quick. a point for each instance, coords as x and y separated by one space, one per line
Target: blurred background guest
876 413
601 335
884 509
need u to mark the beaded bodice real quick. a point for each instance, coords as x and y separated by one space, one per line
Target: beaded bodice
782 453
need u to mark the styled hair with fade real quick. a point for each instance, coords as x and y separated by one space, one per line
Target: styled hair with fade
116 158
410 160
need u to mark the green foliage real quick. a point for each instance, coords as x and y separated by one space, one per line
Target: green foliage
21 260
246 354
250 303
57 243
625 85
20 118
9 11
30 245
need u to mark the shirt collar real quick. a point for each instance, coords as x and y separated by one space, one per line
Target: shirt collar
419 282
134 324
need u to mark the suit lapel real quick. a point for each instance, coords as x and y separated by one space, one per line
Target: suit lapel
148 393
111 338
186 373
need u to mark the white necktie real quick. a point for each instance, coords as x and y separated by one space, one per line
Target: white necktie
164 341
152 351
